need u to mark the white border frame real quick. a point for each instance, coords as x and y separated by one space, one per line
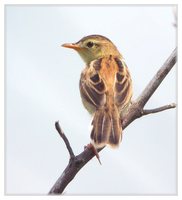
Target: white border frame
88 2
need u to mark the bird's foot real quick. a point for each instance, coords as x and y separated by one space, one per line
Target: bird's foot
91 146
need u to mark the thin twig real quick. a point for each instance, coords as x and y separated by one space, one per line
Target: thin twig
65 139
159 109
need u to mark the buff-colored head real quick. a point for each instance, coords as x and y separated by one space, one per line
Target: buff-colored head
93 47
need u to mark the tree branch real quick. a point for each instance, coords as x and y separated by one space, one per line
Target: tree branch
135 111
66 141
156 110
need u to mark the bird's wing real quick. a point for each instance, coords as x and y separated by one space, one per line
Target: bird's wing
92 87
123 85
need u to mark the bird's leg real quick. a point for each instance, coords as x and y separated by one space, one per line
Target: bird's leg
91 146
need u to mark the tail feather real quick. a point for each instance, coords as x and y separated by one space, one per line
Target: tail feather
106 128
116 130
101 127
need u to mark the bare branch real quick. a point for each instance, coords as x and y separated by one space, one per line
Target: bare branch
65 139
157 79
135 111
156 110
74 165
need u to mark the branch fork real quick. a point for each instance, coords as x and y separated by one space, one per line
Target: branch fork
136 110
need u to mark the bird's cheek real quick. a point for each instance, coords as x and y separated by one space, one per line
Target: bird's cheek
84 55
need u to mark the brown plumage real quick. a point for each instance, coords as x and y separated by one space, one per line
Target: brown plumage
105 87
106 90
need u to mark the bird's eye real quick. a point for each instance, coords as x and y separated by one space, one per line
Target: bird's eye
90 44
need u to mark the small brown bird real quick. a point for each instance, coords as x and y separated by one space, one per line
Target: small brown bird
105 87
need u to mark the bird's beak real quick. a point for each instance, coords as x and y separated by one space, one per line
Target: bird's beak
71 46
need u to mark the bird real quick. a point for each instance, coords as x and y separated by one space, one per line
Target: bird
105 88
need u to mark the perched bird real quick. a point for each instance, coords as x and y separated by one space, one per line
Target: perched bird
105 87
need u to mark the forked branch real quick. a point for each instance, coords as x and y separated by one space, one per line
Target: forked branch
135 111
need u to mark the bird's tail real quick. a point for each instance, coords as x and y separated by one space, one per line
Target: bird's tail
106 127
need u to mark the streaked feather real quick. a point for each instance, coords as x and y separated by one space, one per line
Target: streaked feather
106 85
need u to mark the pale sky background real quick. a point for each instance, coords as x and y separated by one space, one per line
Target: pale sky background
42 87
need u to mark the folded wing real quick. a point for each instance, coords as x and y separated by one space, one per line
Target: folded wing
92 88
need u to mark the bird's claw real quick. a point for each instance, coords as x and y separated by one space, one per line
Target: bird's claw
90 146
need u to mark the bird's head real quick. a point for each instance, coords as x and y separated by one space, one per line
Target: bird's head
93 47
